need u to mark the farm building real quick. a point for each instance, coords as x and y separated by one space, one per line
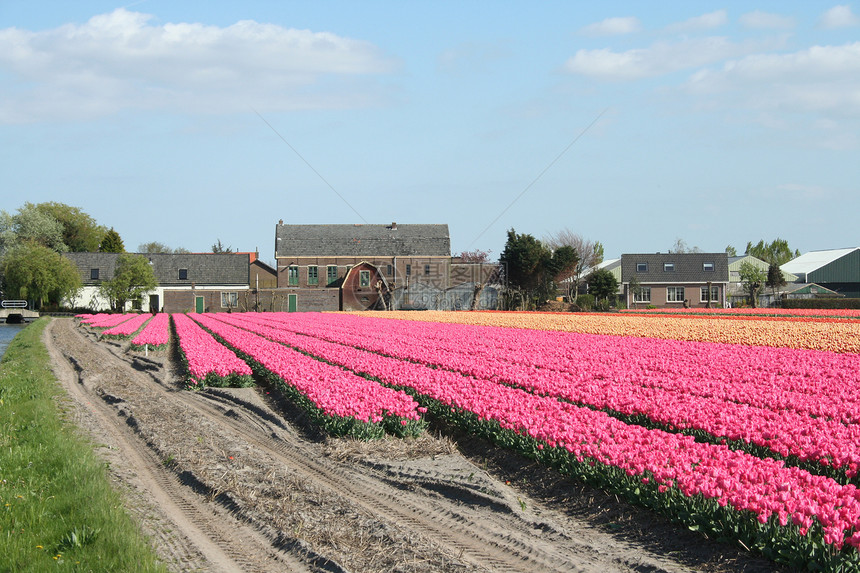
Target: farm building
834 269
360 267
675 279
201 282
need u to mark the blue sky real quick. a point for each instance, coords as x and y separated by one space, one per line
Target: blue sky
185 122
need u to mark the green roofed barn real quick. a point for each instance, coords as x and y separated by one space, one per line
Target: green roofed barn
834 269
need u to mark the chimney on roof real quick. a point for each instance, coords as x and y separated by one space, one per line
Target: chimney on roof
393 226
281 222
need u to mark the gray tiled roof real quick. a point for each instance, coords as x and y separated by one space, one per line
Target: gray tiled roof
362 240
688 267
202 268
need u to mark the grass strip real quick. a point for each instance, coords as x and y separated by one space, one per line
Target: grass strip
58 510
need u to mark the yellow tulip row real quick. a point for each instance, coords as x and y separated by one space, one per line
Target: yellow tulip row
834 336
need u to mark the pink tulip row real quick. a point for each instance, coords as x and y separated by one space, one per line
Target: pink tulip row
333 390
128 327
668 395
106 320
205 355
763 486
156 333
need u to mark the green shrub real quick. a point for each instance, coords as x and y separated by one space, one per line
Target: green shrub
585 301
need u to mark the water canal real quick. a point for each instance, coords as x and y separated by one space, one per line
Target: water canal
7 333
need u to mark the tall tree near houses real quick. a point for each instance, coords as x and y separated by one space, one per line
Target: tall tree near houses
776 252
218 248
681 246
39 274
81 233
775 279
132 278
32 225
111 242
589 254
752 278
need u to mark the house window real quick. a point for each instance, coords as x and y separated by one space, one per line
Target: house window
644 295
427 270
641 267
293 276
229 300
668 267
708 267
364 278
715 294
331 274
408 270
388 270
94 274
675 294
183 274
313 275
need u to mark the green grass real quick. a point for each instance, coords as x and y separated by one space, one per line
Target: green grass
58 511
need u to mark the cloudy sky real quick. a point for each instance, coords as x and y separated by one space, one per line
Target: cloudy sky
186 122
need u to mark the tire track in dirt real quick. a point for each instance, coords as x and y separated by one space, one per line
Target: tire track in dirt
222 547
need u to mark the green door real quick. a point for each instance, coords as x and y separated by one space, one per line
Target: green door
292 302
198 304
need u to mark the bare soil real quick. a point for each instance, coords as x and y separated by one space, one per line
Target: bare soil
237 480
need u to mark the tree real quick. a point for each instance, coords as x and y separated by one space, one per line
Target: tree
111 243
635 288
523 261
680 246
476 256
80 232
157 247
752 278
602 284
35 226
776 252
731 251
775 278
35 272
218 248
531 269
132 277
589 254
153 247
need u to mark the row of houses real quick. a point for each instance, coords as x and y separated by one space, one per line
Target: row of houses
410 267
700 279
318 268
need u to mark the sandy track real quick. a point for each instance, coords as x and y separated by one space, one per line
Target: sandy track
229 480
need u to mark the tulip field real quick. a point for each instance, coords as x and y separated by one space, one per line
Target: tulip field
745 426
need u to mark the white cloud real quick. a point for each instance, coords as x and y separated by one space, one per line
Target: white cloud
839 17
119 60
704 22
658 59
759 19
820 79
613 27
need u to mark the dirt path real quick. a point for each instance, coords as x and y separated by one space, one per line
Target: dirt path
231 480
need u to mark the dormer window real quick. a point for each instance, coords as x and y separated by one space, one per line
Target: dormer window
641 267
708 267
183 274
94 274
668 267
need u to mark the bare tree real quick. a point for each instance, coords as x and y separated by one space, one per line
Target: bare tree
590 254
681 246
